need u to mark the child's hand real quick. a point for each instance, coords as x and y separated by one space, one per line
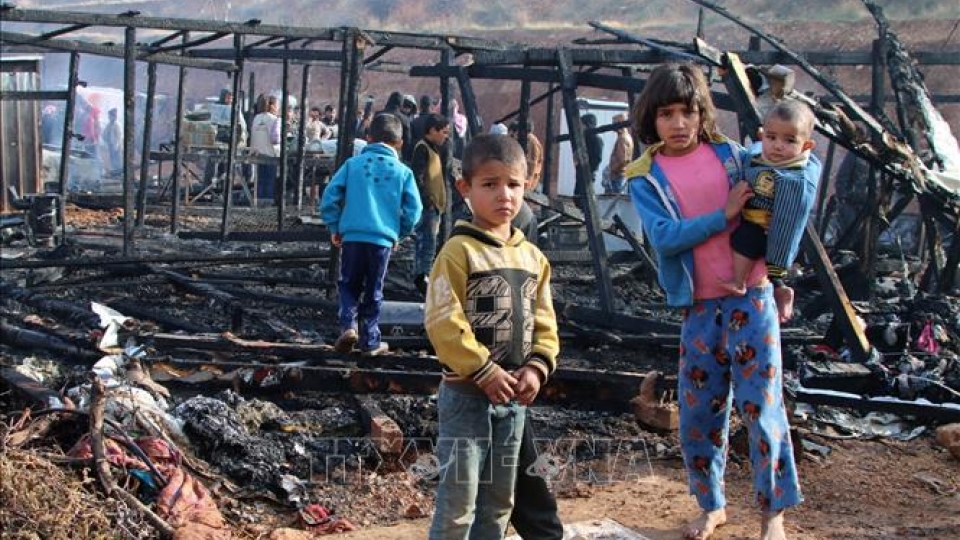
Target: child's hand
336 239
738 196
499 387
528 384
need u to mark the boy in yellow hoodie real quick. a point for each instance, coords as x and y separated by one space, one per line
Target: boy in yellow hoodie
489 315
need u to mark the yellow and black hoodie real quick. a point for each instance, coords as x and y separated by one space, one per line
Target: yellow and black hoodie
489 306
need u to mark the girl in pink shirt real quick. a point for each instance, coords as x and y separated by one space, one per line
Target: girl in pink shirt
688 191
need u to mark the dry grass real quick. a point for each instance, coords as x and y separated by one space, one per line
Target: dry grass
39 499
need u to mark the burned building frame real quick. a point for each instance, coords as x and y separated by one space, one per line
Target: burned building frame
614 63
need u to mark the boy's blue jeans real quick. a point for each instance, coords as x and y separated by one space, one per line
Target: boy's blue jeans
363 268
477 449
425 247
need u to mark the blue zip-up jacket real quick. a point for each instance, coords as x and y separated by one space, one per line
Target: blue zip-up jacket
785 204
372 198
672 236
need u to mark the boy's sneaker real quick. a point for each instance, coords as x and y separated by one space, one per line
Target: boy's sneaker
346 341
381 348
420 282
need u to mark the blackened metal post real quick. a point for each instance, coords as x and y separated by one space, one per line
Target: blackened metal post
301 130
585 180
843 314
68 126
280 195
469 102
825 178
548 145
147 142
177 145
227 186
446 56
524 119
129 109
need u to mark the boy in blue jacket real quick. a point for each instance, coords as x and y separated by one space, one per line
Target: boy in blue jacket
370 204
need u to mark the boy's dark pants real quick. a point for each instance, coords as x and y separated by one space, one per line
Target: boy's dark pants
535 509
363 267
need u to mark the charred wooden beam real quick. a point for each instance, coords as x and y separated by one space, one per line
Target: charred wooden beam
68 310
260 55
594 388
233 344
635 243
245 258
916 409
172 322
30 388
586 198
233 305
66 140
860 348
114 51
178 148
129 104
34 95
32 340
147 142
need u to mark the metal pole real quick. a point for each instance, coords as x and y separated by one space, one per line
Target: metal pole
446 56
147 142
68 125
280 197
469 102
227 187
129 109
301 130
548 145
177 143
825 178
584 191
524 119
67 139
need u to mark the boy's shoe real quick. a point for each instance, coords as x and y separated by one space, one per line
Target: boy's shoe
346 341
421 283
381 348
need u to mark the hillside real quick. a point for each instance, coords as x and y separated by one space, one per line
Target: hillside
471 17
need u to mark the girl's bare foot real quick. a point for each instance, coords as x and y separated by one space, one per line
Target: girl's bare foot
771 526
702 527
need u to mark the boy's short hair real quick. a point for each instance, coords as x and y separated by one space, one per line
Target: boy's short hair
484 148
795 112
435 121
385 128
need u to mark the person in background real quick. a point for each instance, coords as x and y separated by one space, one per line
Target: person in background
113 141
534 152
621 154
431 169
265 141
316 129
392 106
371 203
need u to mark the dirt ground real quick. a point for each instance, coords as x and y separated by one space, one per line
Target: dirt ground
862 490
